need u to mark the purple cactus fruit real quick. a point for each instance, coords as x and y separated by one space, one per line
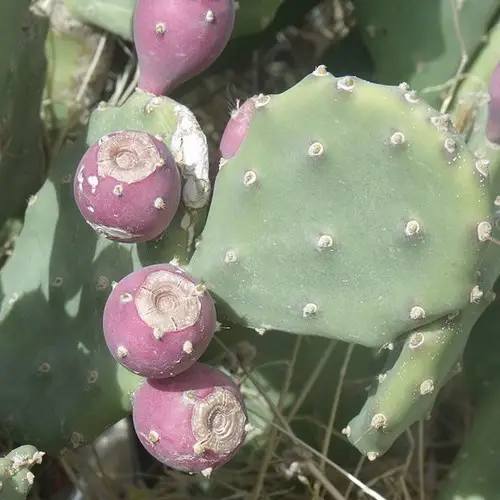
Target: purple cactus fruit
236 129
194 422
178 39
493 122
158 321
128 187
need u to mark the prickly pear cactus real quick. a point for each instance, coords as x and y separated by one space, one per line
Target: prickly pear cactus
16 478
328 226
474 472
392 32
406 389
116 16
308 397
70 49
22 77
253 16
176 125
65 388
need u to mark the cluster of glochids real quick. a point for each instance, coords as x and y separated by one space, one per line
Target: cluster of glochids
159 320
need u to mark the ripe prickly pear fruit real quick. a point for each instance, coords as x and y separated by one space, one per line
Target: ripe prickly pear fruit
178 39
158 321
194 422
127 186
236 129
493 123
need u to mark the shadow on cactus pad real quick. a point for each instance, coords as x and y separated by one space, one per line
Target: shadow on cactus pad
61 386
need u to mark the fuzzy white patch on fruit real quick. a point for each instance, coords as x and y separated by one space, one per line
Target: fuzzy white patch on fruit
126 297
118 190
153 437
113 232
93 181
91 209
209 16
189 397
187 347
159 203
190 150
160 28
121 352
80 179
128 157
167 302
200 289
218 422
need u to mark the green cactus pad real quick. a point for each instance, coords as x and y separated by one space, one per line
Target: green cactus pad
115 16
16 478
392 30
406 390
176 125
351 211
474 475
22 76
63 387
70 49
